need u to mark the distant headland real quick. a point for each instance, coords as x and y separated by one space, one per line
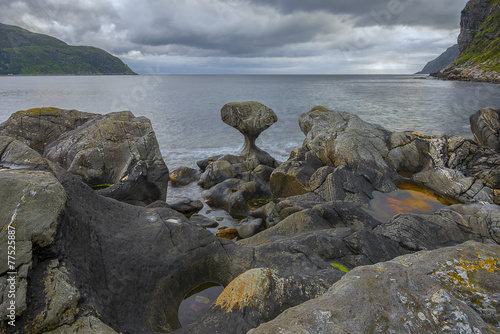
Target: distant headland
26 53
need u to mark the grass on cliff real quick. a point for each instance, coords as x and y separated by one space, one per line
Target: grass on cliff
485 49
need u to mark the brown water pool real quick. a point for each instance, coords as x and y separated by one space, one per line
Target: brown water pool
410 197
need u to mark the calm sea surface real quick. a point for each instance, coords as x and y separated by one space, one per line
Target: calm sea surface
185 110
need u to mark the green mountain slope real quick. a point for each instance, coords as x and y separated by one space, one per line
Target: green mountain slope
26 53
479 43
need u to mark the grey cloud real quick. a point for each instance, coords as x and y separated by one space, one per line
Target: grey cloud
442 13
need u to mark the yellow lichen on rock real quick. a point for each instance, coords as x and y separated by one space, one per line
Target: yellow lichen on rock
249 289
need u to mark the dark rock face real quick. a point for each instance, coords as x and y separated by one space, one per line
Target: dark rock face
485 125
117 149
478 43
473 16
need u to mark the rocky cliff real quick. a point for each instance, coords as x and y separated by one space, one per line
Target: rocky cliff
445 59
26 53
479 44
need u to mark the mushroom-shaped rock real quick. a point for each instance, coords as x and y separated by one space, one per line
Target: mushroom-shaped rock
249 118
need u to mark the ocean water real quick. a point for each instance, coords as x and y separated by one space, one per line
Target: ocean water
185 109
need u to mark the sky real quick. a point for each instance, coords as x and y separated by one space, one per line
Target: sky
251 36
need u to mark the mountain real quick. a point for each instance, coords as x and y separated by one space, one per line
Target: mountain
479 44
442 61
26 53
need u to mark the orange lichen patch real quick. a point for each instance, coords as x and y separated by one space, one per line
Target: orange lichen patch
496 193
465 277
419 135
320 108
249 289
229 233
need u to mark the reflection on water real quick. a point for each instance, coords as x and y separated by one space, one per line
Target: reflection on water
198 301
410 197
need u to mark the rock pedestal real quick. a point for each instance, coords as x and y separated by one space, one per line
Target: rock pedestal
249 118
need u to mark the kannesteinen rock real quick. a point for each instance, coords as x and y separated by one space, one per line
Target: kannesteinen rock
116 149
234 182
479 44
249 118
87 262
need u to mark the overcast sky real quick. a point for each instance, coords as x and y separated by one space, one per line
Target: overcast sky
251 36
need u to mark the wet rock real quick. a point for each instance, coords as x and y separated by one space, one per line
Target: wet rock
417 293
250 118
236 196
203 221
183 176
185 205
485 126
217 172
117 148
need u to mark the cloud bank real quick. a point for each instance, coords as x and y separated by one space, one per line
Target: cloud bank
251 36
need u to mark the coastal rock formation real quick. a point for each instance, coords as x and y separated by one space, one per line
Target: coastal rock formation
478 42
238 183
485 125
250 118
345 158
88 262
117 149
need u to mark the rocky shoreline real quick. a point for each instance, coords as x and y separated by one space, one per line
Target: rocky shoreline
99 248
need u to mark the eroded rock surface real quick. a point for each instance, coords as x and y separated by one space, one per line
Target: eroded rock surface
117 149
485 125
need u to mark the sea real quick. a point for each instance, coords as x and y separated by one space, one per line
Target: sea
185 109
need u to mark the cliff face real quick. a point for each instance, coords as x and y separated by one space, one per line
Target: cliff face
445 59
24 52
479 44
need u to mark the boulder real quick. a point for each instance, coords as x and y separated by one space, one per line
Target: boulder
453 290
203 221
183 176
237 197
116 149
185 205
485 126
